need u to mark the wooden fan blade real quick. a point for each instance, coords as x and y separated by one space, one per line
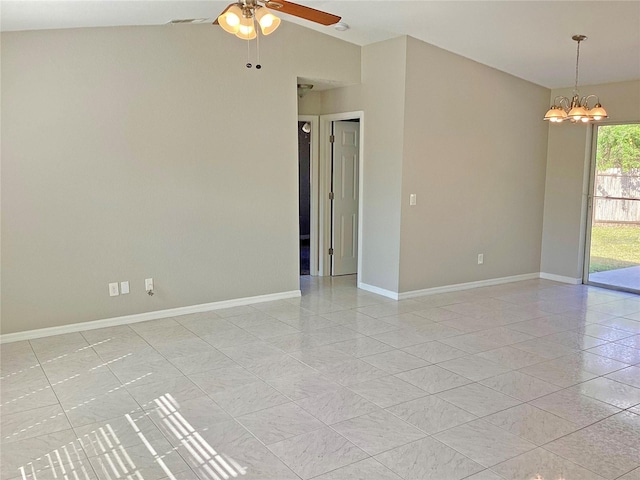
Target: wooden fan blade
301 11
222 12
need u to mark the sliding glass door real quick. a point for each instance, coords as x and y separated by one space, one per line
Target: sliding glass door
613 239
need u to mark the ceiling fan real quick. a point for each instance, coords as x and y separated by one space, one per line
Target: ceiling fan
239 17
244 16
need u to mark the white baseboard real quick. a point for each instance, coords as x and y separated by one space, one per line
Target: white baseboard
378 290
143 317
467 286
560 278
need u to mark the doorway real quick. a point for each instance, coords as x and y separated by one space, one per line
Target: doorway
612 256
308 184
304 195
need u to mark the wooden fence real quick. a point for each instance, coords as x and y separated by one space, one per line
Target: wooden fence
617 197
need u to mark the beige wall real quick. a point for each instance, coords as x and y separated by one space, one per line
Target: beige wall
477 169
310 104
153 152
383 97
568 165
480 185
344 99
150 152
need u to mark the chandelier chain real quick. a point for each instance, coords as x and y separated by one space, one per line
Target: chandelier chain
575 88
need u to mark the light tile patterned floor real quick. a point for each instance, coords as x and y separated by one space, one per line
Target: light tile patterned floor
522 381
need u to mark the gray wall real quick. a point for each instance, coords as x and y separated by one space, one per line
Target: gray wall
150 152
568 164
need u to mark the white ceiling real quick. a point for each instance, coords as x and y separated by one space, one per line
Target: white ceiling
529 39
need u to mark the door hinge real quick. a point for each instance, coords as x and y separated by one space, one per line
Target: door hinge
331 196
332 138
331 251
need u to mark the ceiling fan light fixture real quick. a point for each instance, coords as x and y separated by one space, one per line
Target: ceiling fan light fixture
268 21
243 17
246 30
229 20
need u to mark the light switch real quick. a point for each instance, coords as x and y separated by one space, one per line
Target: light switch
124 288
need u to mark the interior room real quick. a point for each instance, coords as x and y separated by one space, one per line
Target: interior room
365 240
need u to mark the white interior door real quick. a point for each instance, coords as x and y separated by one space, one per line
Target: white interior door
344 178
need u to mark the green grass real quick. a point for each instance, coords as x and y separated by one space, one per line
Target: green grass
614 246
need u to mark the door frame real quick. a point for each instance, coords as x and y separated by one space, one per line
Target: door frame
324 232
589 182
314 192
588 219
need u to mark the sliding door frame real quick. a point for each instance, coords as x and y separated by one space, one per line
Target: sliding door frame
589 210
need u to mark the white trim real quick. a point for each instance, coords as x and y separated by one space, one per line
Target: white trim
378 290
560 278
467 286
143 317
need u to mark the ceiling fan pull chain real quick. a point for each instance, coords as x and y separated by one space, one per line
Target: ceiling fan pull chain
258 65
248 53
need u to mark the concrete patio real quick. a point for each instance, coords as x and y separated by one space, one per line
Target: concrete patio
627 278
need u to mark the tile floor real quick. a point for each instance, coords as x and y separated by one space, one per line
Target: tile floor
522 381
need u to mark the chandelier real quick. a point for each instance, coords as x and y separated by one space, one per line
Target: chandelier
577 109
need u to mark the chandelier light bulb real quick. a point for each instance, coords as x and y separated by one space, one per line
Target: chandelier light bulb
597 112
555 114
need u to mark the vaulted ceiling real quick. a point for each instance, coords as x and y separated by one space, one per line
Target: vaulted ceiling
528 39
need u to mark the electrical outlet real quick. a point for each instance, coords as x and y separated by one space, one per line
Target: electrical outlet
148 284
113 290
124 288
480 258
412 199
